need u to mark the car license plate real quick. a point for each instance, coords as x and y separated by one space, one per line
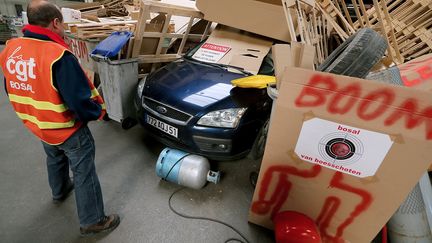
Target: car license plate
162 126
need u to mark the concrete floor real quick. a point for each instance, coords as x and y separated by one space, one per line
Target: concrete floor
125 162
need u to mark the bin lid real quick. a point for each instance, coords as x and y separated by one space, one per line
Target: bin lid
111 45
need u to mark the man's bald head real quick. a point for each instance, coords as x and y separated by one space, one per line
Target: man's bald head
41 13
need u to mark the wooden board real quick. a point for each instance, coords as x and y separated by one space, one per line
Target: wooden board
407 25
162 30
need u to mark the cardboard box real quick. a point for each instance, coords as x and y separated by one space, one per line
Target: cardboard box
295 55
417 73
149 44
82 49
71 15
344 151
234 47
282 57
263 17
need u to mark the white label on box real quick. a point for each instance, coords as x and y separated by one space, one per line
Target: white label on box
211 52
343 148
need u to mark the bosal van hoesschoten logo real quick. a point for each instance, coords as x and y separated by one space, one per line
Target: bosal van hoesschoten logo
350 150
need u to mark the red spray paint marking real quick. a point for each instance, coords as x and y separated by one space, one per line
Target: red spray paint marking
332 204
283 189
329 209
414 73
280 193
322 90
411 120
263 206
352 91
78 48
386 96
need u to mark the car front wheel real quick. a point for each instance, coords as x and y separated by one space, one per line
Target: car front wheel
258 146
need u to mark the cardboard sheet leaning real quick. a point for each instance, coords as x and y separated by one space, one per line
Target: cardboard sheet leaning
344 151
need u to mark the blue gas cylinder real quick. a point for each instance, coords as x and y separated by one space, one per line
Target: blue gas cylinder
185 169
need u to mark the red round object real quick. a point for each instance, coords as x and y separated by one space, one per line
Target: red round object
295 227
340 149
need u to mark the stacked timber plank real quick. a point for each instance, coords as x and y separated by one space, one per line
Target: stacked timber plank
411 22
160 31
99 20
113 8
101 30
306 20
334 12
406 24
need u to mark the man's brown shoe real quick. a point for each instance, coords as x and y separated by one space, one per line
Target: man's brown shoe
107 224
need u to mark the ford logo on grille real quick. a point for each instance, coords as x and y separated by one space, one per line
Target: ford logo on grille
161 109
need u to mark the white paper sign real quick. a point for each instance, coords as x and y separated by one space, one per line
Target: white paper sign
71 15
211 52
350 150
209 95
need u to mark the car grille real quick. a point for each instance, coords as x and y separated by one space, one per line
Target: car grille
172 113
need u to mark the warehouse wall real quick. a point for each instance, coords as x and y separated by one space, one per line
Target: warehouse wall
7 7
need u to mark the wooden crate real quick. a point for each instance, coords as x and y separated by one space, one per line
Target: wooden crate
406 24
149 8
101 30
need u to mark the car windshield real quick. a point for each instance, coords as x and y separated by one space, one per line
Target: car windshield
266 68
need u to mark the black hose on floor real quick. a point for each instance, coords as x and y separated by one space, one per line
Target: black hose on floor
208 219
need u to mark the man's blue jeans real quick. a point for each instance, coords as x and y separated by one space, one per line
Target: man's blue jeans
78 152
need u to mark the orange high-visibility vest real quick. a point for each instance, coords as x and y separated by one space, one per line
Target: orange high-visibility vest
27 66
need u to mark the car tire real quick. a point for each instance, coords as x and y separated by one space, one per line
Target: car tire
253 178
128 123
356 56
106 117
258 146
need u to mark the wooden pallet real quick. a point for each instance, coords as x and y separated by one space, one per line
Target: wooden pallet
332 11
101 30
148 8
308 20
406 24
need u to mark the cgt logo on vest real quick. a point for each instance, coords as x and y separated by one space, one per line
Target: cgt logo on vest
22 69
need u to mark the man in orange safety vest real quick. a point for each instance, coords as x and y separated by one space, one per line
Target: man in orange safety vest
55 100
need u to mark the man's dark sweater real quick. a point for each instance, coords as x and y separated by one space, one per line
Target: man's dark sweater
71 82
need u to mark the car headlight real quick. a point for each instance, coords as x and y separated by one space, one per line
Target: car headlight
141 86
222 118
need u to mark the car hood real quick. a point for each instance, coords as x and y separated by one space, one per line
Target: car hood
189 86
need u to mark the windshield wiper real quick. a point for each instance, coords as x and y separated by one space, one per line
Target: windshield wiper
218 65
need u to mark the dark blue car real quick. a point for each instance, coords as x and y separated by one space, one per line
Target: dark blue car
191 105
